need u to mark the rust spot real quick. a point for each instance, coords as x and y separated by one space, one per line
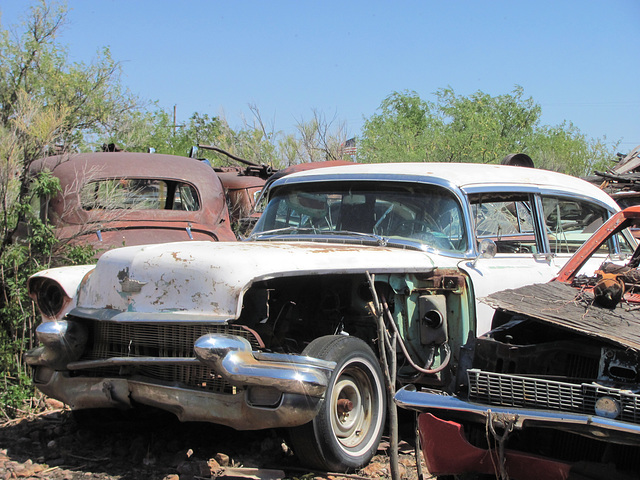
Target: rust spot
177 258
122 274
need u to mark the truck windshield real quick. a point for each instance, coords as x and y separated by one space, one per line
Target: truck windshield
426 214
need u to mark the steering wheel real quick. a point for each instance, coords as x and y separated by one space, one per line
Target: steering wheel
424 230
411 228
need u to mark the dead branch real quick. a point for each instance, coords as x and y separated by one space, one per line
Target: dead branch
387 349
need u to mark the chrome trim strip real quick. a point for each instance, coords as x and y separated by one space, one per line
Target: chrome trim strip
290 359
425 179
181 318
122 361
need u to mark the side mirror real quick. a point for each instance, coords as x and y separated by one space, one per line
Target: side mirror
487 249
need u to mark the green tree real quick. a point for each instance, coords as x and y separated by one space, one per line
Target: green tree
47 105
481 128
477 128
256 141
565 149
142 131
91 95
404 130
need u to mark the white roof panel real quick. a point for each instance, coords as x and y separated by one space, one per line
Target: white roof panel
468 177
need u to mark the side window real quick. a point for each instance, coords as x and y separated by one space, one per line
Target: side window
186 198
507 219
624 245
569 223
39 206
123 193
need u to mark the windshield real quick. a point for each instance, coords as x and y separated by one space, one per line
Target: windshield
424 214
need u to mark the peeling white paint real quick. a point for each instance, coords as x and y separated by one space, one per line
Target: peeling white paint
211 277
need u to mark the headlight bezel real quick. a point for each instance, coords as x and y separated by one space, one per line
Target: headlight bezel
49 297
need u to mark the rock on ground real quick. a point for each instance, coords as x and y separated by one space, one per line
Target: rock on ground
58 445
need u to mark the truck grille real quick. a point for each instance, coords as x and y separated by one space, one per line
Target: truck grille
111 339
519 391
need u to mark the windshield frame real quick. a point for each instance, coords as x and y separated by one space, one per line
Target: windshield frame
378 190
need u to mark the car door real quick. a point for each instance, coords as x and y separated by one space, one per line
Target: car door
509 220
534 237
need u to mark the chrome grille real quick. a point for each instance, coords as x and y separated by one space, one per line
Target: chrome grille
519 391
112 339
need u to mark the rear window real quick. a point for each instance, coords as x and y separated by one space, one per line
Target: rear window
139 194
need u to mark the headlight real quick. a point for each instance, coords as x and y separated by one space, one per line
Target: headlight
48 295
607 407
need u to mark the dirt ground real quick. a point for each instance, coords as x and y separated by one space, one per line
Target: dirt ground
59 445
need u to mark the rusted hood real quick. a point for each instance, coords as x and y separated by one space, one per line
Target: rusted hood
210 278
562 305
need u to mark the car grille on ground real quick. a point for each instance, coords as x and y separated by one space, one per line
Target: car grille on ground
520 391
111 339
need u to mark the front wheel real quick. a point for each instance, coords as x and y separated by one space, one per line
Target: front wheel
346 432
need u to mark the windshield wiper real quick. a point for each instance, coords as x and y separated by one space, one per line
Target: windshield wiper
293 230
284 230
382 241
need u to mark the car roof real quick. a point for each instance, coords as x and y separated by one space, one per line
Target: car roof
103 165
468 177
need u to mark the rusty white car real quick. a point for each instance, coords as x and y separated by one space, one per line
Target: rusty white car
278 331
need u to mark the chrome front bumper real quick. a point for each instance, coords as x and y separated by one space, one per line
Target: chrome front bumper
592 425
234 411
271 390
231 357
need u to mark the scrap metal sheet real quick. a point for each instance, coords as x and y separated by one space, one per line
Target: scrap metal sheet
568 307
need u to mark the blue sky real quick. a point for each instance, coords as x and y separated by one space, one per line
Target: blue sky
579 60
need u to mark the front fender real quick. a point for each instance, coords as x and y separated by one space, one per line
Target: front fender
55 290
